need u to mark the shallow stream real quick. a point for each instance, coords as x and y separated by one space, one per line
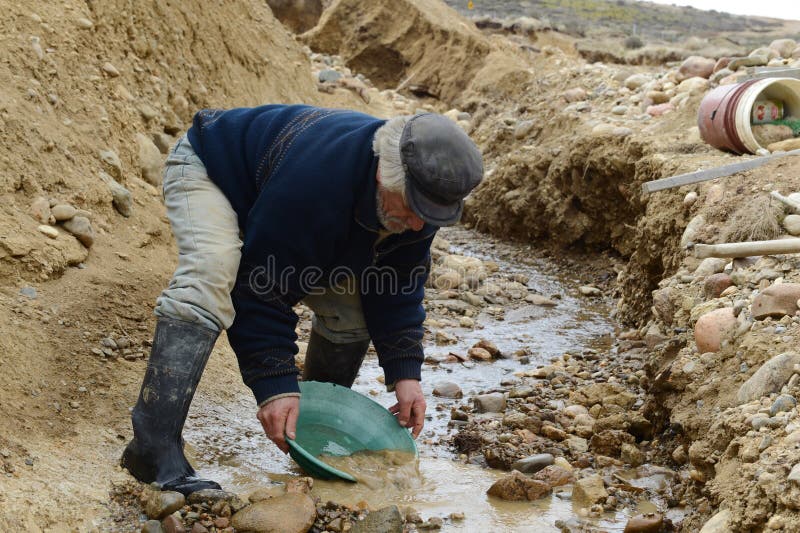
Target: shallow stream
241 459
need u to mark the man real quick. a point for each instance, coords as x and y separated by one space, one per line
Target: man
278 204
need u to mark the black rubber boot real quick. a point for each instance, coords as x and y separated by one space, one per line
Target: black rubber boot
333 363
179 355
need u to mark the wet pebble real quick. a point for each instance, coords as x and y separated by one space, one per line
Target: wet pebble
490 403
162 503
447 389
588 290
152 526
534 463
644 523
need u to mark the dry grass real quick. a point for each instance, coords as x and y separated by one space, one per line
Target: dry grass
756 220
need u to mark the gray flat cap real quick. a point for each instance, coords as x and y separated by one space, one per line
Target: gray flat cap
442 166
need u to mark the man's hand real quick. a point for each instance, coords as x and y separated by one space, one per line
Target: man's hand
279 418
410 406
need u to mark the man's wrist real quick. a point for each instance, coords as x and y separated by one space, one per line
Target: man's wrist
268 387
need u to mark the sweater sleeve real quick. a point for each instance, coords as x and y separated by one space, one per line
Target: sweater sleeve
392 296
263 337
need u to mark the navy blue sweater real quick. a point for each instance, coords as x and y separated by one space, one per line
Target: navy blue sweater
302 182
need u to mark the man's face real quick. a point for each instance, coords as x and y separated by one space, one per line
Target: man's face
394 214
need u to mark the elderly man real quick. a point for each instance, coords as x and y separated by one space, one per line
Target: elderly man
279 204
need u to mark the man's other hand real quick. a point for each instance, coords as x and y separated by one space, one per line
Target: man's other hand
279 418
410 406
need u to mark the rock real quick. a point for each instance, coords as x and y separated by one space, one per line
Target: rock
791 223
755 61
631 454
713 328
81 228
447 389
443 337
110 69
604 394
609 442
769 378
555 476
589 490
782 403
329 75
160 504
447 280
62 212
783 47
588 290
152 526
112 163
40 210
719 523
619 110
523 128
489 346
660 109
692 86
301 485
28 292
689 234
785 146
794 475
544 301
163 142
635 81
213 496
288 513
172 524
574 95
767 134
663 305
577 444
48 231
120 196
715 284
518 487
534 463
720 75
479 354
776 301
657 97
387 519
693 66
709 266
84 23
644 523
490 403
150 160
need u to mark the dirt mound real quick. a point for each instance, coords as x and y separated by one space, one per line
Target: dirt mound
87 86
425 46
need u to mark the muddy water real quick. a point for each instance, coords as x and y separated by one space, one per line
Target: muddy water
235 452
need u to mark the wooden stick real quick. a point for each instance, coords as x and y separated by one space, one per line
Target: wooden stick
747 249
784 200
711 173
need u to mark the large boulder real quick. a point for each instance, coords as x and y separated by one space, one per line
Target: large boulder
288 513
777 300
517 486
713 328
769 378
695 66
